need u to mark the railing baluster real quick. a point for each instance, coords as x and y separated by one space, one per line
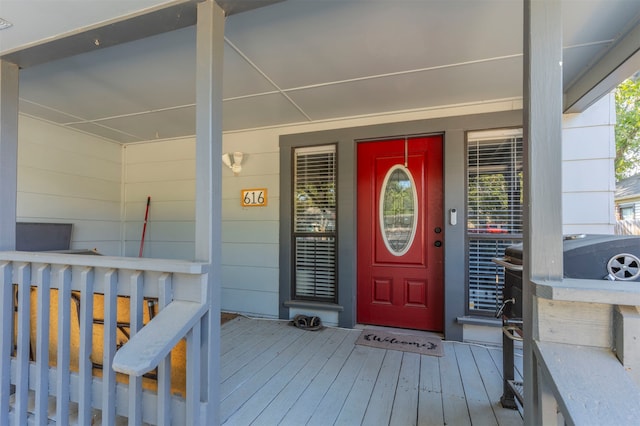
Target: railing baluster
193 374
43 276
26 339
6 338
109 347
63 277
86 344
23 279
135 324
164 368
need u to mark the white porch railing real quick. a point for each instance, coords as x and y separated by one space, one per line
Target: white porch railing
580 380
47 373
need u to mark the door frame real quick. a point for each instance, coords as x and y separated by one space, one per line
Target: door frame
453 130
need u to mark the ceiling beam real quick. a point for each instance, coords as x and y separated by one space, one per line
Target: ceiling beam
619 63
232 7
145 23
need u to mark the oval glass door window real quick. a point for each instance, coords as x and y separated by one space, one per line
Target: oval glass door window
398 210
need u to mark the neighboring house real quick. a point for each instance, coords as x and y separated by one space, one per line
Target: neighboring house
627 198
379 176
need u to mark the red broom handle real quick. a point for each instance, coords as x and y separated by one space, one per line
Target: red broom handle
144 227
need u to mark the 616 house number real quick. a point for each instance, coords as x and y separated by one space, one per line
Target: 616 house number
253 197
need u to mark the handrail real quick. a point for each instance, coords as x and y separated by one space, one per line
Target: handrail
588 384
116 262
144 351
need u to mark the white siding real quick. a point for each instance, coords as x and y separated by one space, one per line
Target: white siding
588 183
70 177
165 171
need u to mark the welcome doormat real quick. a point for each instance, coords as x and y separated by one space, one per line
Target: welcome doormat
426 345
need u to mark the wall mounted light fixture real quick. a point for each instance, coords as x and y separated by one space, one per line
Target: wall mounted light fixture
233 161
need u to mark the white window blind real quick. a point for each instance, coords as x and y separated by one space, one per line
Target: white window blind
494 211
314 223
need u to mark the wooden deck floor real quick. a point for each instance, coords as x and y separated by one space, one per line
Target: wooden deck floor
275 374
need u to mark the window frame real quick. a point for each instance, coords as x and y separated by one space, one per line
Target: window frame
295 234
493 237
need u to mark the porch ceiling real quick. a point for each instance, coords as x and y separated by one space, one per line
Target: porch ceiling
300 61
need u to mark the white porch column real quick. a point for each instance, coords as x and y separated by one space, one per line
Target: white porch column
542 175
208 240
8 153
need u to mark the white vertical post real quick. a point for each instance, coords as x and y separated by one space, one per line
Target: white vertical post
109 347
542 172
6 337
136 304
164 368
8 153
43 274
208 240
23 279
63 277
193 378
85 365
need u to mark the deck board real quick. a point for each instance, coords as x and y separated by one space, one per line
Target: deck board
309 400
430 409
454 402
274 374
478 402
405 405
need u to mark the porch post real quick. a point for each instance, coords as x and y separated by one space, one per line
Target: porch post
208 227
542 172
8 153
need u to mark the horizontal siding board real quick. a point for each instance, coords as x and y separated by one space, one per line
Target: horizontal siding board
161 171
179 210
153 151
161 250
598 178
231 210
250 254
34 156
248 302
181 190
587 208
30 205
250 232
60 183
161 231
587 143
250 278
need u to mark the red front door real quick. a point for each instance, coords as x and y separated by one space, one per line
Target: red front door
400 233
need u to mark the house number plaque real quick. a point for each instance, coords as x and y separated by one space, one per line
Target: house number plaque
256 197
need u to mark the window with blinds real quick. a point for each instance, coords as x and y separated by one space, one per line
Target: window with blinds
314 223
494 211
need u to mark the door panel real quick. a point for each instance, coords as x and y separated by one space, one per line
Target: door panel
400 255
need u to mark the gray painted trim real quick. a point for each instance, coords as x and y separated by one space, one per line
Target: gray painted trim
485 321
542 245
622 61
453 129
313 305
208 206
145 23
9 76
